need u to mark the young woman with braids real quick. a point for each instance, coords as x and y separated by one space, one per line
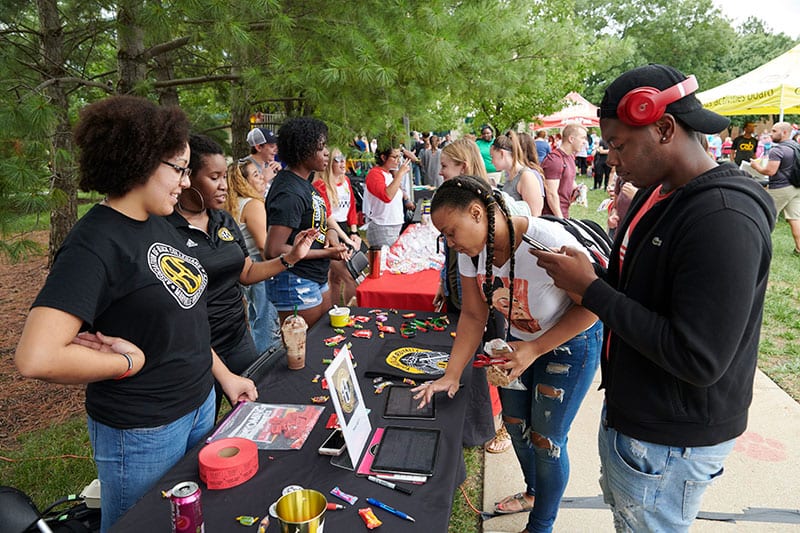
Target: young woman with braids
556 343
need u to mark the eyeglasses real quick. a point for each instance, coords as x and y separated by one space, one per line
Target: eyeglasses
339 159
185 171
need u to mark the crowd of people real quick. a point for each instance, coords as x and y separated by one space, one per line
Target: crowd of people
167 290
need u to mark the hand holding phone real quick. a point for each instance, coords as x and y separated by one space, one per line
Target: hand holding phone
536 245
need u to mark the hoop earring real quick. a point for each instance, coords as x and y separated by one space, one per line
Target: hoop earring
199 195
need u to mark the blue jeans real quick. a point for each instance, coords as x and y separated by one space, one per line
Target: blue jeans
653 487
130 461
262 316
556 384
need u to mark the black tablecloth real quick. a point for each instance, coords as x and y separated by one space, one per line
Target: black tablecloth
430 503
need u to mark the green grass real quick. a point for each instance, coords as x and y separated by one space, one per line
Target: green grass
462 518
51 463
41 469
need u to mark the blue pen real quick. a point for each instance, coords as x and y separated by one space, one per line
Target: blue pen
401 514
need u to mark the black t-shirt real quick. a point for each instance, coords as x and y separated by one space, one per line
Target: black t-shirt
136 280
293 202
600 159
222 254
744 148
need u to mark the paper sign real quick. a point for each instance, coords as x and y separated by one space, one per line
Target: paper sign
348 403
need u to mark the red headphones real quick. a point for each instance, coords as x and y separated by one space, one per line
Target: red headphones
645 105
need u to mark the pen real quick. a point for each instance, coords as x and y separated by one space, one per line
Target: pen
401 514
389 484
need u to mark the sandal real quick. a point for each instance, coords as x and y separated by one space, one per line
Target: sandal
500 442
522 505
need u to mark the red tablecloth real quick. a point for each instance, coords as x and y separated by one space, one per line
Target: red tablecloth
400 291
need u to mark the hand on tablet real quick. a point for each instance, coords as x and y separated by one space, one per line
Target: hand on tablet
425 392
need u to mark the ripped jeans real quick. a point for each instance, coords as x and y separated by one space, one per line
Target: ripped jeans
654 487
556 384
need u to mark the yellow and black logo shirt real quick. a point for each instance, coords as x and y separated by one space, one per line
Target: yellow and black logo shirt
138 281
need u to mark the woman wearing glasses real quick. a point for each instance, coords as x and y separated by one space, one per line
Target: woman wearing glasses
124 306
340 202
384 198
214 238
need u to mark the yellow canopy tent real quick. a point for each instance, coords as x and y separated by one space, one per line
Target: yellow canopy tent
771 89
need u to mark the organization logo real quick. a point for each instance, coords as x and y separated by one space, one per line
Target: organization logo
182 275
225 234
319 216
416 360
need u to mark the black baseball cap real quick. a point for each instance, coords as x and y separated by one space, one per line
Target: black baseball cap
688 109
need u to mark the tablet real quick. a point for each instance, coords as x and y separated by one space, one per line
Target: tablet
407 450
400 403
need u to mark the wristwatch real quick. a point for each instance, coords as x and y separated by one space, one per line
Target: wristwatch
353 233
284 262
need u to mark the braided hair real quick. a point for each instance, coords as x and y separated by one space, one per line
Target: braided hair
458 193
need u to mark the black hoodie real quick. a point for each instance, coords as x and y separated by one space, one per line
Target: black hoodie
683 318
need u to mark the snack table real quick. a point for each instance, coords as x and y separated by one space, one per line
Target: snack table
430 503
415 290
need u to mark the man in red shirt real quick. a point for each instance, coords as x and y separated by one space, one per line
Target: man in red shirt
559 172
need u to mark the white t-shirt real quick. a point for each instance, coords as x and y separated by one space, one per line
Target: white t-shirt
340 210
538 303
380 212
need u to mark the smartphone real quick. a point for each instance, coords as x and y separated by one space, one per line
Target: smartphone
334 444
536 245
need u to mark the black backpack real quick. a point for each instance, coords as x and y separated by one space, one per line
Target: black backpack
590 234
794 171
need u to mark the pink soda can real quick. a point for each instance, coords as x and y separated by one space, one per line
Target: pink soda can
187 514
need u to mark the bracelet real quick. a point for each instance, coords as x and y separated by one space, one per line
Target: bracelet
353 233
284 262
130 367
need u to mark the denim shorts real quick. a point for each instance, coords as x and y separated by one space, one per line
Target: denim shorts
288 291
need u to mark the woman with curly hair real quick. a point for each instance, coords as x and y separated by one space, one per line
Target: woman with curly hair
219 245
124 306
340 201
293 205
556 344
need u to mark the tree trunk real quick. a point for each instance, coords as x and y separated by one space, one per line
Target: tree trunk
130 56
240 118
63 186
167 96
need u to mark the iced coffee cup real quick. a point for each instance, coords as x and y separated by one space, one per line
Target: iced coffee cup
294 337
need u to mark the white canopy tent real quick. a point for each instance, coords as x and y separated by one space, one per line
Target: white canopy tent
771 89
577 110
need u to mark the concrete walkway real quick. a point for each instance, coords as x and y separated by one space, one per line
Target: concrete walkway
762 473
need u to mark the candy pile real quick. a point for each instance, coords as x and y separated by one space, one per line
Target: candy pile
416 250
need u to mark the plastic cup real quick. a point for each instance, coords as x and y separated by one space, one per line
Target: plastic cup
294 337
301 511
340 316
